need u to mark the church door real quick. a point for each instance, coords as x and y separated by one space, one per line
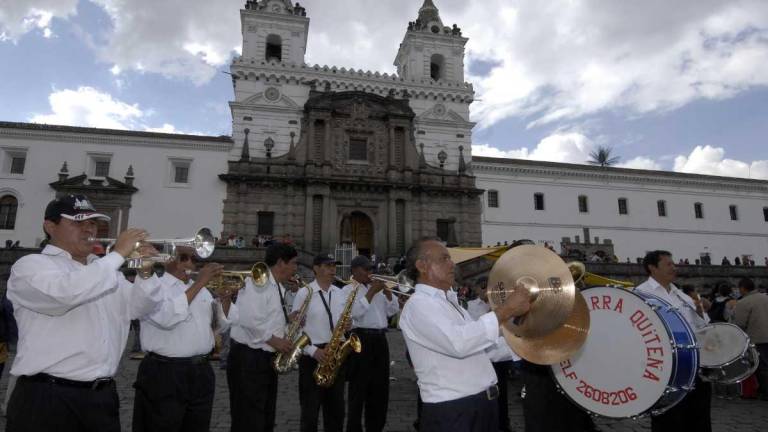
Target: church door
358 228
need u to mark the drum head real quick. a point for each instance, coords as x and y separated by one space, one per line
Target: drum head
721 343
626 363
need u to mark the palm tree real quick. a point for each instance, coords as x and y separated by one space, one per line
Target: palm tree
602 156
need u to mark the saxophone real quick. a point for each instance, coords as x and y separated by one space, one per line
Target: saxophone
284 363
337 350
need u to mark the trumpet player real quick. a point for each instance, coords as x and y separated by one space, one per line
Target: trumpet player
175 383
255 337
451 352
368 371
322 314
74 311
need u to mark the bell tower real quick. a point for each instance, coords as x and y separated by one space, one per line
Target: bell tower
431 50
274 31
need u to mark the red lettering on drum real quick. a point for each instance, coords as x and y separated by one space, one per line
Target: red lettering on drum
650 375
654 350
565 366
606 303
640 320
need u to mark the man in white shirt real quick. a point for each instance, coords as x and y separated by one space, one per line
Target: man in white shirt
175 383
325 308
451 352
693 412
257 333
73 311
368 371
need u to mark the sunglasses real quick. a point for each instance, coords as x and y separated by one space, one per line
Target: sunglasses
187 257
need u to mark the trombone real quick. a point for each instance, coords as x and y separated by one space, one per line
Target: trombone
203 243
395 283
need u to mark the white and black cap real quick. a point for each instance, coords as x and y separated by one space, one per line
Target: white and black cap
73 207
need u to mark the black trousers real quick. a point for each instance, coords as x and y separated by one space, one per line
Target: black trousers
368 391
692 413
502 377
252 388
41 406
173 396
474 413
547 410
312 397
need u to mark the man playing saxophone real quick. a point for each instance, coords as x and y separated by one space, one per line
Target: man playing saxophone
368 372
175 383
256 335
322 314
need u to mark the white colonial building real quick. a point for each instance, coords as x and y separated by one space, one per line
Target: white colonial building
635 210
328 154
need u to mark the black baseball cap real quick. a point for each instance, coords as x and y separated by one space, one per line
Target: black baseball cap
361 261
325 258
73 207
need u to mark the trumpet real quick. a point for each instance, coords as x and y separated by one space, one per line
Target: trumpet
234 280
203 244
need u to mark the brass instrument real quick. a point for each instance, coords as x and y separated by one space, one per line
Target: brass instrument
337 350
394 283
234 280
284 363
581 275
203 244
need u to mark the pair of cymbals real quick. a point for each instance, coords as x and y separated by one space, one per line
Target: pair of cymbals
557 323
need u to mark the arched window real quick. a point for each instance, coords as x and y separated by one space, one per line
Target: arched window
436 67
274 51
8 207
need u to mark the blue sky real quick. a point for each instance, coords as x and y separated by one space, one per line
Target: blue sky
683 88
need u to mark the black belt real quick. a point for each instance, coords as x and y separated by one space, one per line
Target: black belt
369 331
198 359
50 379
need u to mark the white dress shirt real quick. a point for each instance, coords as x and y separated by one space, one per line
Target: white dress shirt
451 352
259 314
179 328
677 299
316 323
477 308
74 319
374 314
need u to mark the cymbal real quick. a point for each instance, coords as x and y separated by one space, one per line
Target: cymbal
549 281
557 345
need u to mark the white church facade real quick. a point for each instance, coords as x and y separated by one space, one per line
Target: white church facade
327 155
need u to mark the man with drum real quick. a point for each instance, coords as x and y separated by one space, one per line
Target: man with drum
693 412
451 352
751 314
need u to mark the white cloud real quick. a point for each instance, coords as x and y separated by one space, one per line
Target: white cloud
89 107
641 162
18 17
711 160
567 147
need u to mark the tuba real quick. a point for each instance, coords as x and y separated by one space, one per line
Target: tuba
337 349
284 363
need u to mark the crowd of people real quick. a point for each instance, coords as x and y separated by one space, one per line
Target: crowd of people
74 312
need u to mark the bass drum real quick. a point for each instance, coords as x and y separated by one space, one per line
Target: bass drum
640 357
726 353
